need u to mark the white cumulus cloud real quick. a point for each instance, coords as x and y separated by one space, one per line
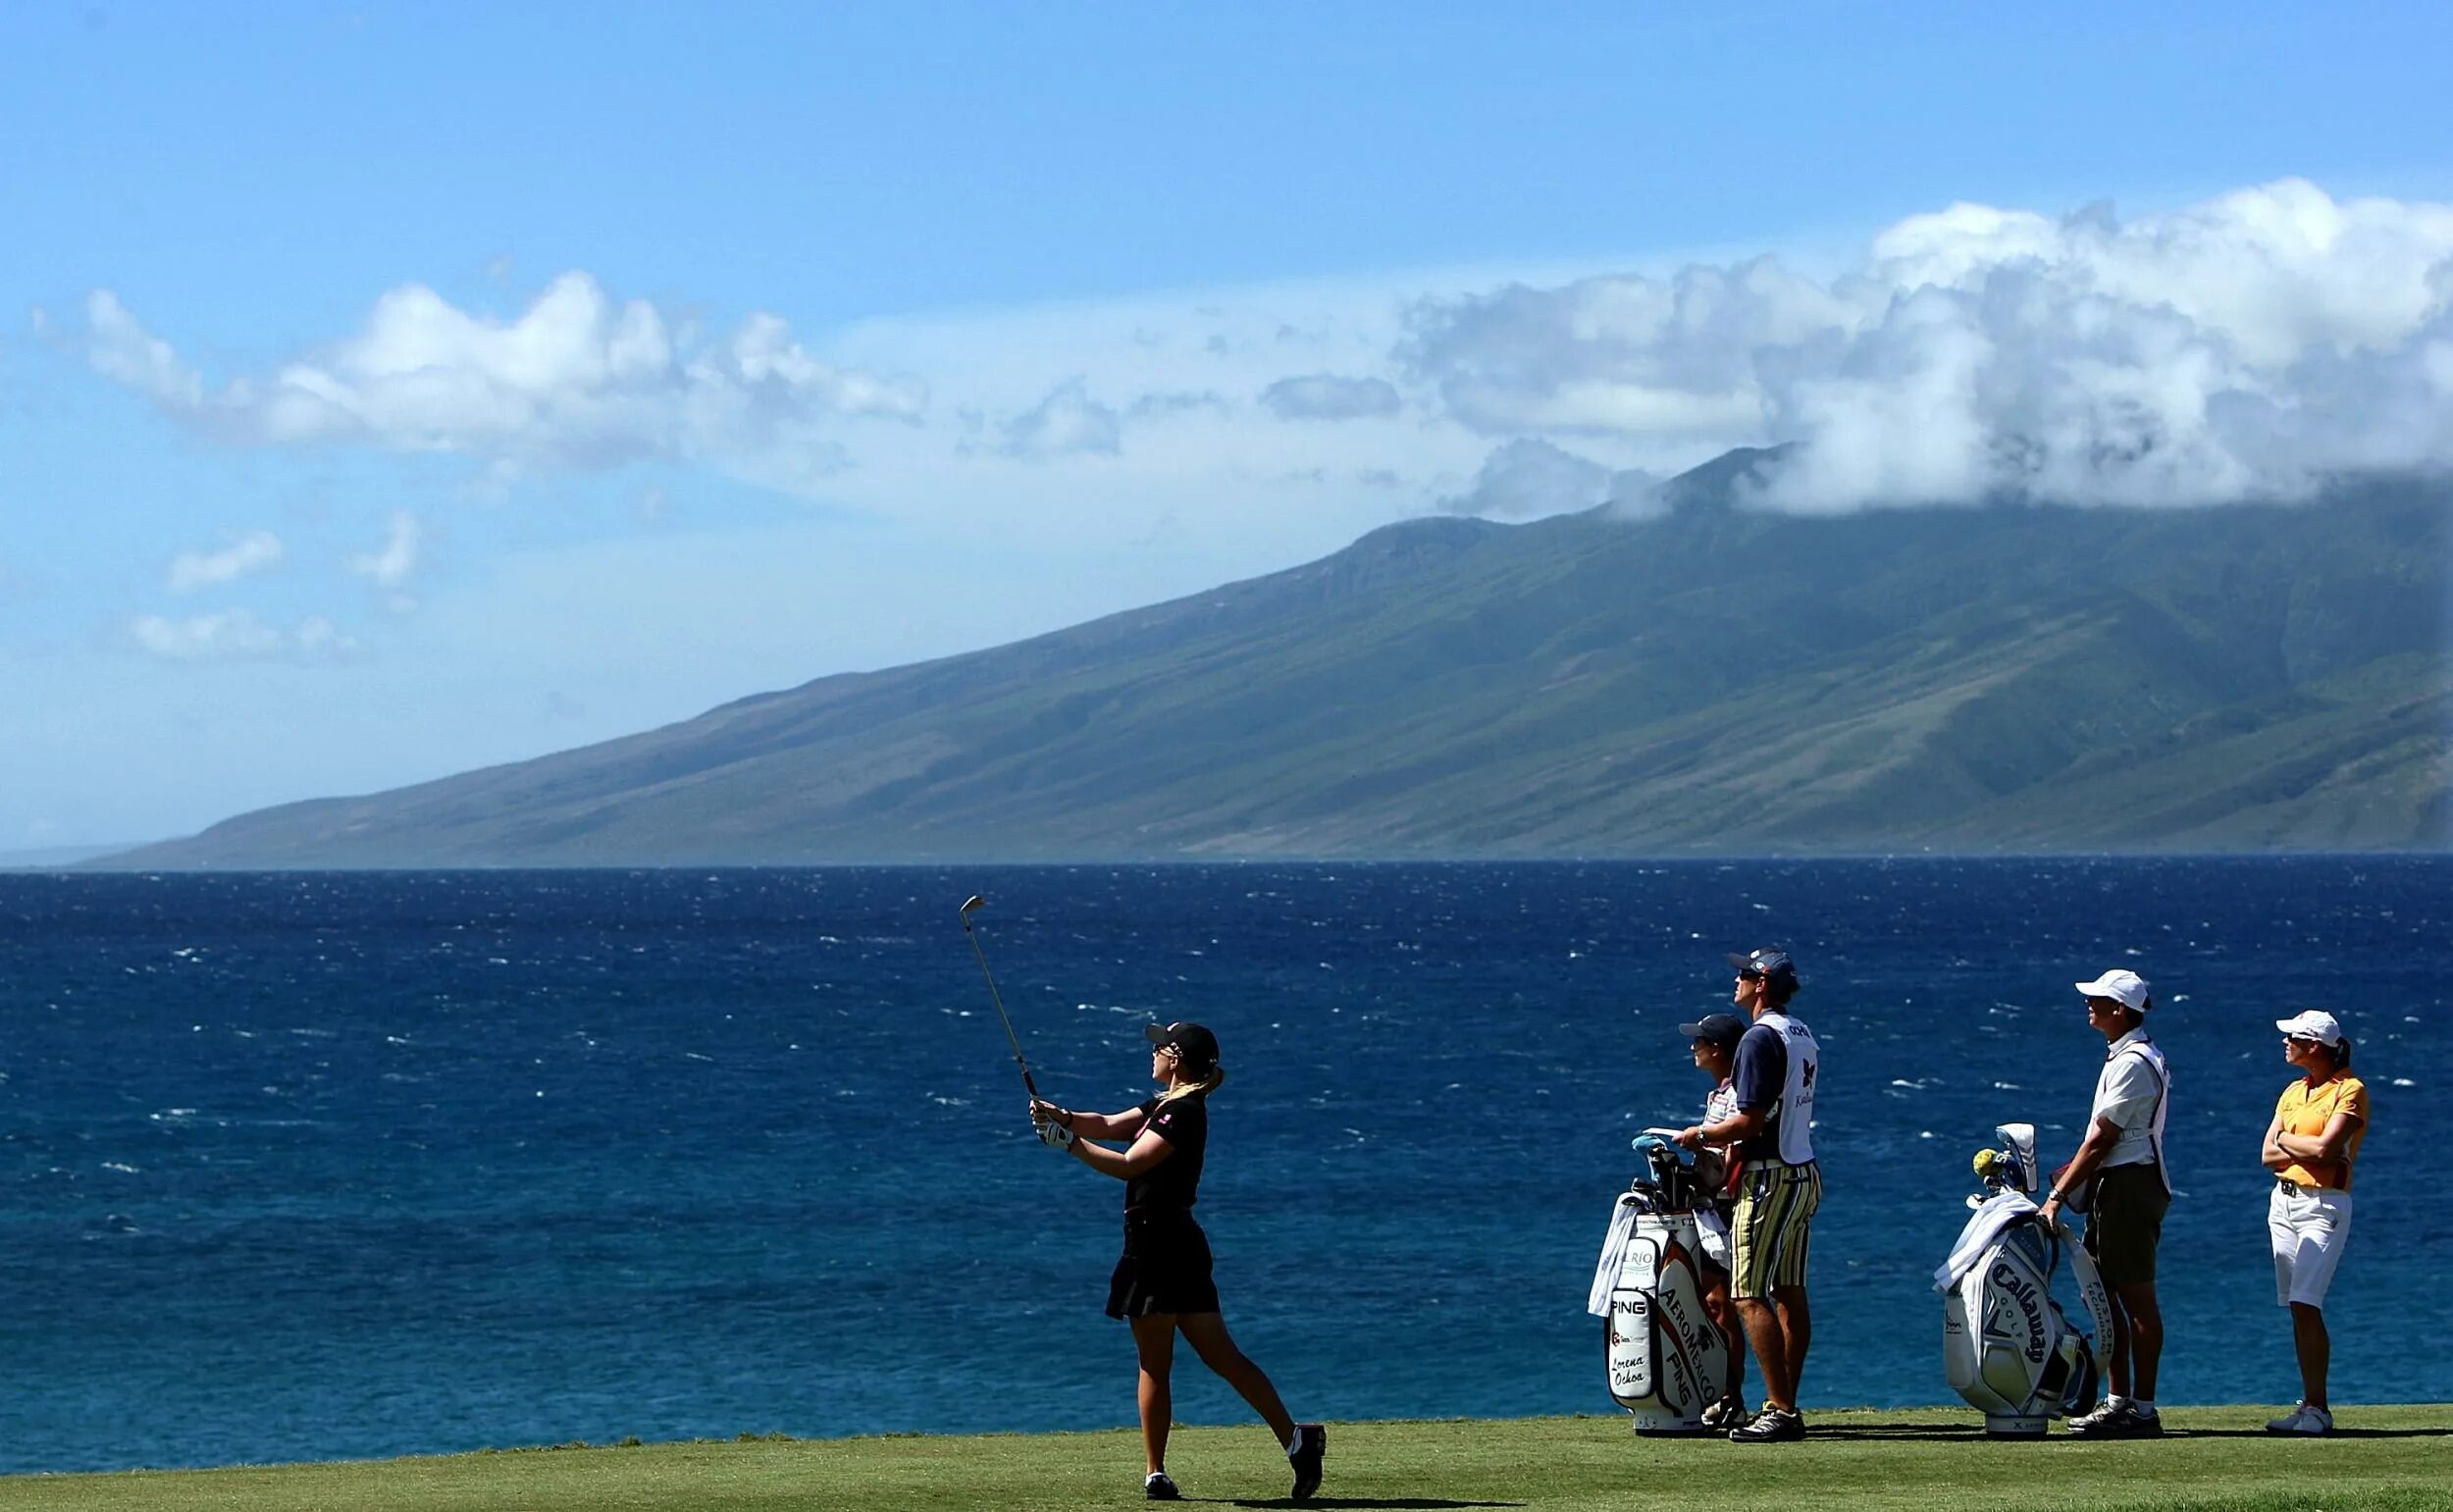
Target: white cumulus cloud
2251 346
119 348
576 380
390 566
237 635
1068 420
1528 477
253 552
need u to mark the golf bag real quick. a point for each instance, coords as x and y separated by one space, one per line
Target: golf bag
1666 1359
2006 1346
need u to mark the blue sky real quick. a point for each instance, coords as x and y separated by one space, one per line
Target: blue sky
390 390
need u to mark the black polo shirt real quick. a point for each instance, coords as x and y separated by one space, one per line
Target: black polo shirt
1175 1182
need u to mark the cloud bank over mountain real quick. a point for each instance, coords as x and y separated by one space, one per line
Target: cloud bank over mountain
2247 346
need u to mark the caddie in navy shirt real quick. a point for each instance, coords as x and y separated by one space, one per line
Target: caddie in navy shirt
1779 1186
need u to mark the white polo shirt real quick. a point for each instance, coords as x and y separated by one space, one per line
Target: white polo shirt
2129 1094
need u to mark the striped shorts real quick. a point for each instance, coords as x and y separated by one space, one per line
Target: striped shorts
1775 1219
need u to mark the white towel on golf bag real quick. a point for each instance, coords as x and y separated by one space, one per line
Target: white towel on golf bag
1613 1255
1995 1215
1712 1235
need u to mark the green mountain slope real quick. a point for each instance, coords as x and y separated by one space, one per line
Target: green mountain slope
2002 677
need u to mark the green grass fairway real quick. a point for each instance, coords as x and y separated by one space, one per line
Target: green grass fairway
2397 1458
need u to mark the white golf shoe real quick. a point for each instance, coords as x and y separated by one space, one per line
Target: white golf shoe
2303 1419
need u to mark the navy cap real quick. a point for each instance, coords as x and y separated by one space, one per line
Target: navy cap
1771 961
1196 1045
1722 1030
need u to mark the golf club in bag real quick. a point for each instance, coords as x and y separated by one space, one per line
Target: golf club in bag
2007 1345
1667 1361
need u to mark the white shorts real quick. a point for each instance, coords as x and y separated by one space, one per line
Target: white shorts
2308 1229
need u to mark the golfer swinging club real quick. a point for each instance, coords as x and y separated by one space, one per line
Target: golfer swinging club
1162 1285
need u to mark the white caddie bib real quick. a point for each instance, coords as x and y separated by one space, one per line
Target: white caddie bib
1794 1122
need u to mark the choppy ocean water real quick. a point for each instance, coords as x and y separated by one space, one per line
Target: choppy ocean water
346 1164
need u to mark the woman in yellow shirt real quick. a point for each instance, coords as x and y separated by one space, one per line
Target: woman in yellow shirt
2310 1147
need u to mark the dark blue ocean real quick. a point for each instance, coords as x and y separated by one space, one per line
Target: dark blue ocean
303 1167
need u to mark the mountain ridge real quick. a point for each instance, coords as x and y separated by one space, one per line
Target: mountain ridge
2005 676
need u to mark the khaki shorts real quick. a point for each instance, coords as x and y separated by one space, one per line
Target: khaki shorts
2126 1224
1769 1234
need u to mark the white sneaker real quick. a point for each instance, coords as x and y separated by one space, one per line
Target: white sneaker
1726 1414
2105 1411
2303 1419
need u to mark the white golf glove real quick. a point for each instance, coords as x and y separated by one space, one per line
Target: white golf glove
1055 1135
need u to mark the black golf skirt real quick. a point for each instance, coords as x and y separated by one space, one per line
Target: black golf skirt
1166 1268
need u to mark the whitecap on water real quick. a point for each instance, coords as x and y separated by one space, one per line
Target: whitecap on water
121 1167
2404 1081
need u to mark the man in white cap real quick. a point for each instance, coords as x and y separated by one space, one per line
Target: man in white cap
2118 1177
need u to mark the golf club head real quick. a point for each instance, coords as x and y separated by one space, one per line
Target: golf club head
974 901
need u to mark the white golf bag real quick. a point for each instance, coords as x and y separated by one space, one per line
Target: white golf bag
2006 1346
1666 1359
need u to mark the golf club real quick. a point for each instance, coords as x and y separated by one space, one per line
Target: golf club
974 901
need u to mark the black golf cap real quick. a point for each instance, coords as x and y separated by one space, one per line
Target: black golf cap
1771 961
1722 1030
1197 1045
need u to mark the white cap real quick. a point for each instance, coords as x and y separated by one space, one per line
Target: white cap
2128 988
2316 1025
